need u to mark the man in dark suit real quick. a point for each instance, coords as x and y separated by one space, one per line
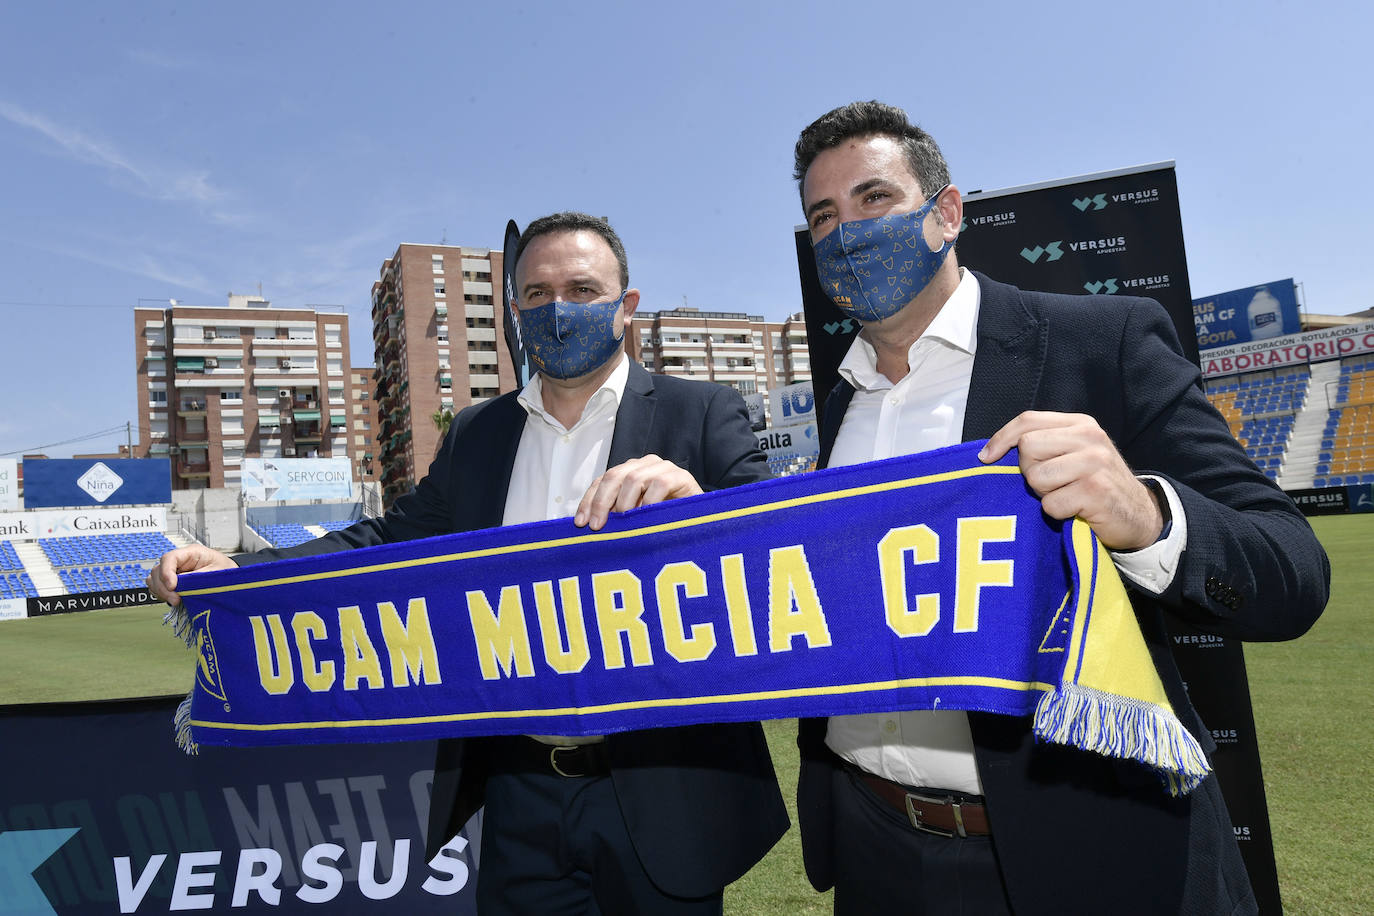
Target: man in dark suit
952 812
652 821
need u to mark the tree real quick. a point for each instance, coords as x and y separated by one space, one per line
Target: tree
442 418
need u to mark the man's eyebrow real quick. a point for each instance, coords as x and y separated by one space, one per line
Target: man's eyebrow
820 204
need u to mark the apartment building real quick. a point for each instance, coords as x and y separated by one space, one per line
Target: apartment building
219 384
732 348
362 423
437 339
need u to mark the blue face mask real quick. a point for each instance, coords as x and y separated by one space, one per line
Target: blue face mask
569 339
871 268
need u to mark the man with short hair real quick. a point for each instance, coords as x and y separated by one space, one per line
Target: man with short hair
654 821
954 812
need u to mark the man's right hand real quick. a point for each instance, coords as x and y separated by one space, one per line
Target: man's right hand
162 578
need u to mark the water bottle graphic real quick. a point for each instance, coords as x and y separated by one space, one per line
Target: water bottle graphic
1263 316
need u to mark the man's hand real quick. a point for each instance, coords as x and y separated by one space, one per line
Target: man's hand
162 578
1074 468
637 482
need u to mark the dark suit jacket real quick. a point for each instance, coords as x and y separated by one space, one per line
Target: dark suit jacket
1074 831
701 803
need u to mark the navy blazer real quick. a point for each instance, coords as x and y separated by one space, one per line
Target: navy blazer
701 803
1075 831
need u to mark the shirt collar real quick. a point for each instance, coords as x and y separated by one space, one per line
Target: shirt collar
608 396
955 325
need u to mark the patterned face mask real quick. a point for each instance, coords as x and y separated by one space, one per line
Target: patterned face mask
871 268
569 339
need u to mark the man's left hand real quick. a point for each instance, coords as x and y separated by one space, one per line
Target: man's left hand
1072 465
637 482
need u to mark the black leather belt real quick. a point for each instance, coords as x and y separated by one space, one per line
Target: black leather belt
523 754
930 809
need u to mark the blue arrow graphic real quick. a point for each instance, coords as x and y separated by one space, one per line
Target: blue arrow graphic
21 853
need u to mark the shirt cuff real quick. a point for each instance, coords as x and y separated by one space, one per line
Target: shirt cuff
1153 567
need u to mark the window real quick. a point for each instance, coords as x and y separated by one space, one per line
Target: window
231 426
157 397
438 287
231 394
437 262
300 334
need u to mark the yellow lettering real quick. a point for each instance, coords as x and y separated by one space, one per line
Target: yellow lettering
501 638
790 586
924 547
274 661
737 604
578 652
360 658
620 609
976 573
690 578
410 644
318 676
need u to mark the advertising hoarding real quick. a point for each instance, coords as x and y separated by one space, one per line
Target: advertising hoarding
792 404
1253 313
9 484
58 482
278 479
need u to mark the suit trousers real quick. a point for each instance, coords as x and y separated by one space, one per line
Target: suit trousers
885 865
553 845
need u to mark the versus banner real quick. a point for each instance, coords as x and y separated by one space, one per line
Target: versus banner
882 586
524 369
1335 500
57 482
100 814
1114 232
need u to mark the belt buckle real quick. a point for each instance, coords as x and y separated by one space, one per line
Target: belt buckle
553 759
915 816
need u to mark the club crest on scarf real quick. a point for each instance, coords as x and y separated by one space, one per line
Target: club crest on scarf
871 268
569 339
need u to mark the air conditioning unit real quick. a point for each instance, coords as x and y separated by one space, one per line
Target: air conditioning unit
174 450
285 362
283 392
289 452
211 362
209 334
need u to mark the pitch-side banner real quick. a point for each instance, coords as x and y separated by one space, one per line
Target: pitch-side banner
54 482
101 814
27 526
1290 350
278 479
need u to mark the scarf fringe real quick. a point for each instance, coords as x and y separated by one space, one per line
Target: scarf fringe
180 622
1121 727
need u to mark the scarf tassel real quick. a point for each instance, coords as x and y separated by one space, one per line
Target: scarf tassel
180 622
1120 727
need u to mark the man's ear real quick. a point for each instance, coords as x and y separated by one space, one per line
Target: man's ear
630 303
951 207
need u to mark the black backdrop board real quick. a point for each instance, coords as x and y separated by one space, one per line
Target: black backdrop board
101 813
1118 233
523 369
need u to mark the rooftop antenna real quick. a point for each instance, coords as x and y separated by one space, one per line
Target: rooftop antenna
443 238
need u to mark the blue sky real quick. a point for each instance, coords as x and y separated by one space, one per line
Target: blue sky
155 151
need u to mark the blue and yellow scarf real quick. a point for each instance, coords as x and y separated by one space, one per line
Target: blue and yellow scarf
921 582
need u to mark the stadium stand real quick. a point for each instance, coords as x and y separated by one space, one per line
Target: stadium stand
103 562
785 467
287 535
1261 410
1347 444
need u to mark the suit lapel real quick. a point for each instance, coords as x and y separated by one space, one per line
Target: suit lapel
634 419
1009 363
505 441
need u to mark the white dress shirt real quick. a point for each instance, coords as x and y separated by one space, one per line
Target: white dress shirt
555 465
923 411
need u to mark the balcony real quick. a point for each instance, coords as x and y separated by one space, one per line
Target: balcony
191 409
188 469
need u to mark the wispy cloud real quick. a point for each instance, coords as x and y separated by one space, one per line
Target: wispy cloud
161 60
157 182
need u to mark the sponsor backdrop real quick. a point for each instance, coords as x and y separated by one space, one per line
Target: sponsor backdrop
754 402
800 440
337 829
1116 233
792 404
1253 313
278 479
53 482
9 484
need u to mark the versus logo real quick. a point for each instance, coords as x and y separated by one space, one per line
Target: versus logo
1097 202
1101 246
992 219
847 326
21 854
1052 251
1137 197
1225 735
1112 285
1107 286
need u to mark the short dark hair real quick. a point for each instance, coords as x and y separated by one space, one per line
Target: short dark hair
573 221
866 119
